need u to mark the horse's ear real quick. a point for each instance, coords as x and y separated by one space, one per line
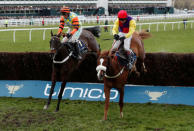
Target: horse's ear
51 33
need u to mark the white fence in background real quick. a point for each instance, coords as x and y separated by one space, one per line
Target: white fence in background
90 19
139 25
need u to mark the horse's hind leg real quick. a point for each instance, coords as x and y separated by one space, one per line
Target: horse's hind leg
121 101
107 98
60 94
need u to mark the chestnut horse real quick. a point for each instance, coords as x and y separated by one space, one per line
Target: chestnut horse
114 74
63 61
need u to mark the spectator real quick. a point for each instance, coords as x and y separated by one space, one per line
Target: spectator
6 23
138 18
185 23
97 19
106 27
43 22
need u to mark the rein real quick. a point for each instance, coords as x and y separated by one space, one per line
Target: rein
117 75
64 60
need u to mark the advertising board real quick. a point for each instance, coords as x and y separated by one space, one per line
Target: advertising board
95 92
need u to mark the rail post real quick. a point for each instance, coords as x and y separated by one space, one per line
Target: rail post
30 33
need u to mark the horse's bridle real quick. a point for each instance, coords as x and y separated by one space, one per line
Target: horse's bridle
118 74
104 68
65 59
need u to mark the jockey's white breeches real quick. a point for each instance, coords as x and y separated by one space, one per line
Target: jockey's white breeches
74 37
127 43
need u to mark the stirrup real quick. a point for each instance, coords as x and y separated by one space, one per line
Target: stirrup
79 57
129 65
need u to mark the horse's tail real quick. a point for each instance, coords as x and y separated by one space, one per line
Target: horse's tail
94 30
144 34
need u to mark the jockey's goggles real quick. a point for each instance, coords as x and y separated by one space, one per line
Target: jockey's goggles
122 19
65 13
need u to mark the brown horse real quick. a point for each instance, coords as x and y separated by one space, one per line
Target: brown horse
63 61
114 74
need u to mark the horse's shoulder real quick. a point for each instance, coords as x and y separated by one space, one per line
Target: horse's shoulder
105 53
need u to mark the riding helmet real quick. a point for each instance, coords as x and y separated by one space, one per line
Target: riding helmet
122 14
65 10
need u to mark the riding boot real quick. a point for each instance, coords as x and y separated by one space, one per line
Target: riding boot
78 55
131 56
112 52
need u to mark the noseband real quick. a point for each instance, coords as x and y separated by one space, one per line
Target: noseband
108 68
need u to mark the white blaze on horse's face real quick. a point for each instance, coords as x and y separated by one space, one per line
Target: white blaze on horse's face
101 69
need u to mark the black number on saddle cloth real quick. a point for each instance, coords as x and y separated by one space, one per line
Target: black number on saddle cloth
82 47
79 49
126 61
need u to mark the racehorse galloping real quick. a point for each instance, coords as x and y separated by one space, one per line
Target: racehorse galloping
64 63
114 74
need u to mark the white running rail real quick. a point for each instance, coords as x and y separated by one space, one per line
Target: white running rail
139 25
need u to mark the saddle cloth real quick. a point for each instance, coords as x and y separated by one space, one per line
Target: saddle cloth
125 60
82 47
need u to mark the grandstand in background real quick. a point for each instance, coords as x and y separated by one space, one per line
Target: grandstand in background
84 7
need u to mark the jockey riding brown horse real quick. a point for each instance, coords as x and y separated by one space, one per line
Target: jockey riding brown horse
63 61
114 74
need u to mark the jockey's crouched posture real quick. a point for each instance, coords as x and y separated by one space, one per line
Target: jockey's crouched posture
71 20
123 29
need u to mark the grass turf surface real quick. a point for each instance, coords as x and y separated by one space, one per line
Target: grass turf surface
28 114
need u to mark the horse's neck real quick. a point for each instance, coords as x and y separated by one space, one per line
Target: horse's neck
114 67
62 52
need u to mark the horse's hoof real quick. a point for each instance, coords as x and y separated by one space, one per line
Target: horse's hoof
45 107
121 114
104 118
145 70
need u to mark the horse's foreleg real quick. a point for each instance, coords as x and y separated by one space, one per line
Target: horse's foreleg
121 91
134 69
60 94
141 66
107 98
144 68
51 91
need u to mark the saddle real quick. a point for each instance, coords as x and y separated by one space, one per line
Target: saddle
79 48
125 59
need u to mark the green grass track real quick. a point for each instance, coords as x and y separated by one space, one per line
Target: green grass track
19 114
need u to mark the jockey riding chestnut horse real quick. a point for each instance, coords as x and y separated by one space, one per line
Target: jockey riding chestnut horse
123 29
113 67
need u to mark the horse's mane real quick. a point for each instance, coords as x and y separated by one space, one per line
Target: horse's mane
104 53
142 35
